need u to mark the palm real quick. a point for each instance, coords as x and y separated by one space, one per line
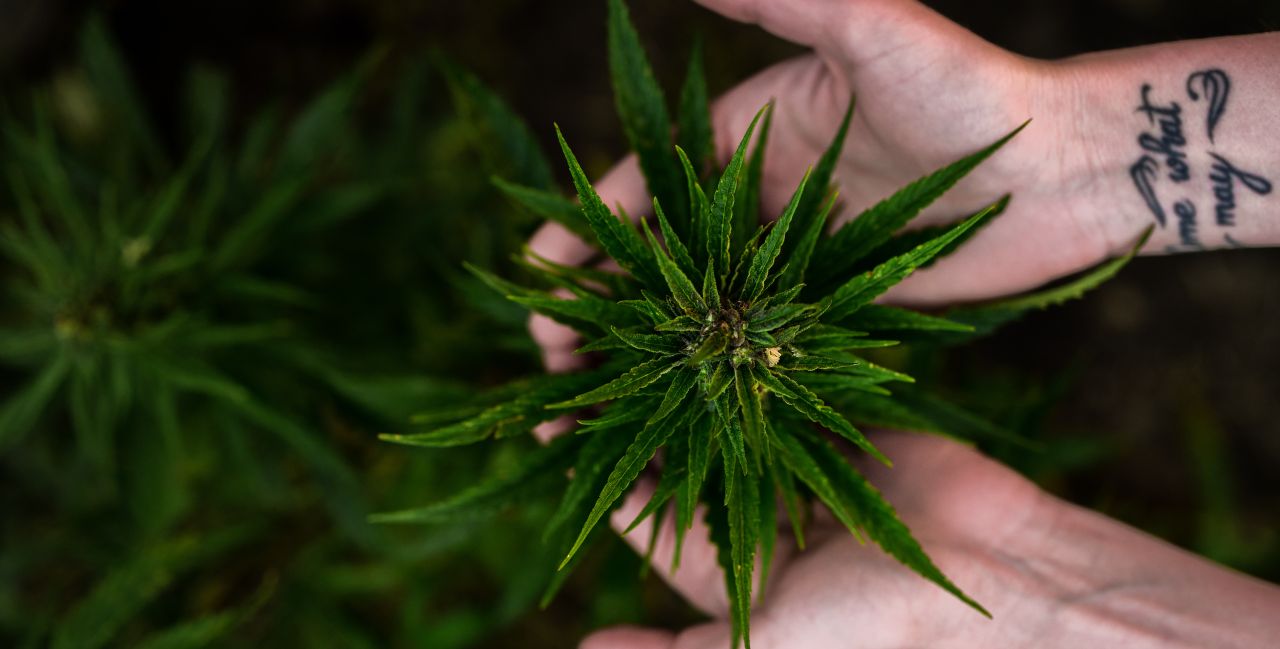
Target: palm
943 93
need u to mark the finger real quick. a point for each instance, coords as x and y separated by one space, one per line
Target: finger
808 22
628 638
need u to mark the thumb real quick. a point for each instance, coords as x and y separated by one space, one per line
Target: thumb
815 23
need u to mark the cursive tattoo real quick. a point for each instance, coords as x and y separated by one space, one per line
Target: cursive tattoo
1144 173
1224 176
1165 154
1170 143
1185 210
1216 86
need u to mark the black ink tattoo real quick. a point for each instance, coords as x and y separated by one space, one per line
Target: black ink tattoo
1185 210
1216 86
1164 153
1171 143
1224 175
1144 173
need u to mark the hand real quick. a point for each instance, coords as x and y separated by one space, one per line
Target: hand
1052 574
928 93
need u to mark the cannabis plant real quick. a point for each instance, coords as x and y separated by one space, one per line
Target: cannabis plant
723 347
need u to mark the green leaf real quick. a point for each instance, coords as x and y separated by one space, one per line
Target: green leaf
505 141
634 380
700 218
717 518
618 239
643 110
652 343
713 345
540 469
877 317
682 288
130 586
727 411
654 434
985 318
762 263
527 408
677 248
792 503
674 474
742 499
698 463
746 212
876 225
720 217
863 288
21 412
752 412
800 462
694 134
880 521
808 404
549 205
810 221
767 524
801 255
601 451
109 77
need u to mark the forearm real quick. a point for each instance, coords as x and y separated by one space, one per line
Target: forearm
1183 136
1117 587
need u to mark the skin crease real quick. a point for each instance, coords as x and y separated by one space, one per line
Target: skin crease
929 92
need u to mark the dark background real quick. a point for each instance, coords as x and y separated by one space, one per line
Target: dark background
1168 417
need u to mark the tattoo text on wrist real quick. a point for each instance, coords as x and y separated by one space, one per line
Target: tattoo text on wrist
1164 144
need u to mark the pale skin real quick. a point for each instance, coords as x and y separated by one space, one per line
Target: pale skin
930 92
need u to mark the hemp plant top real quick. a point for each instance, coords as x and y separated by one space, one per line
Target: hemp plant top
725 344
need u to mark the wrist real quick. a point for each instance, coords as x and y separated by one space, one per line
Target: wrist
1178 136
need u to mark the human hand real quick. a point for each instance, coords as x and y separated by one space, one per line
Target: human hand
1052 574
929 92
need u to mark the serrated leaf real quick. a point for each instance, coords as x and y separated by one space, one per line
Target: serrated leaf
682 288
643 110
768 523
810 221
505 141
877 517
742 500
674 474
527 407
878 317
727 411
694 134
549 205
635 379
601 451
720 216
875 226
863 288
619 240
717 518
792 503
713 345
808 404
700 217
698 463
802 465
746 212
752 410
653 343
539 470
655 432
674 245
986 318
762 263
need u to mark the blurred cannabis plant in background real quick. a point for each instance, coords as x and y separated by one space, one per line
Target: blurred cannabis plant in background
726 343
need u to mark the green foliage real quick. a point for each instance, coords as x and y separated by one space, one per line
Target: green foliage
749 338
